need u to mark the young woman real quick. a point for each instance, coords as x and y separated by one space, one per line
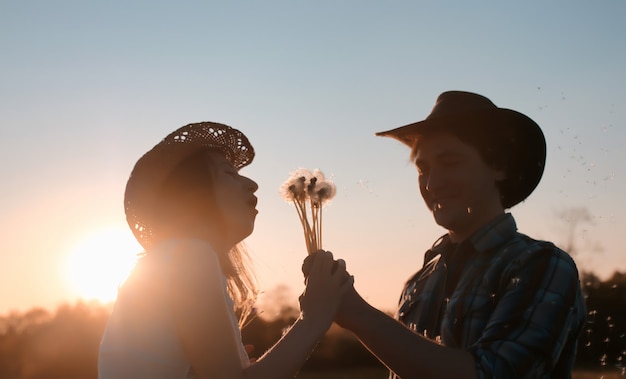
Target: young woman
175 316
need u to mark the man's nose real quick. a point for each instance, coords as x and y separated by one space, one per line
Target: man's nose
433 180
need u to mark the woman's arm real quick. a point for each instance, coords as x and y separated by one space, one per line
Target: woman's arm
205 327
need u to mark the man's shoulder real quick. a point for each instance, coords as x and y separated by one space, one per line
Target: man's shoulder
520 242
521 248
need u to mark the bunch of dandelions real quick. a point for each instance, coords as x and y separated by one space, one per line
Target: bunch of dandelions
309 191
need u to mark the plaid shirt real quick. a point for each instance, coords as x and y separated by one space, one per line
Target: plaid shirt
513 302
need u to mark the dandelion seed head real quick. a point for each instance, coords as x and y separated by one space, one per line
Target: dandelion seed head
288 191
294 189
324 192
306 189
319 175
302 173
310 188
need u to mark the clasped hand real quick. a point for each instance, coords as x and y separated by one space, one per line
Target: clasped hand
326 282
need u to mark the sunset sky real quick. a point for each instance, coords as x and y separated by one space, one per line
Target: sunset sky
87 87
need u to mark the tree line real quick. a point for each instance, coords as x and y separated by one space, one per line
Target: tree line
40 344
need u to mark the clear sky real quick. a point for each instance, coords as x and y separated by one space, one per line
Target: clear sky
86 87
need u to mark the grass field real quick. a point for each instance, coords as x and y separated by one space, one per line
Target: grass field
379 373
607 374
360 373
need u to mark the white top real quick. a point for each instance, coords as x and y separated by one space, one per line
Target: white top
140 340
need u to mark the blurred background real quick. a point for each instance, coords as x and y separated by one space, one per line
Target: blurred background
87 87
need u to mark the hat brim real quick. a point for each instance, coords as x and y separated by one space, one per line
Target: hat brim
480 119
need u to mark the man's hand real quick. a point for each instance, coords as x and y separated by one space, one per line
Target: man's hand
350 298
308 262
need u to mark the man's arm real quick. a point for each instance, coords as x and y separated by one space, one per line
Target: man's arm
539 313
403 351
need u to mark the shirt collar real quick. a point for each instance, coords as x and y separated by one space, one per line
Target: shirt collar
486 238
495 233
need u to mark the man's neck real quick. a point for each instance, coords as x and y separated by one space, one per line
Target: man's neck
459 236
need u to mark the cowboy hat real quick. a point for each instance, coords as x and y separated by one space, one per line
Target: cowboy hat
522 139
153 168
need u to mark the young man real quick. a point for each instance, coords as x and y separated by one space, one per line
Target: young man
489 302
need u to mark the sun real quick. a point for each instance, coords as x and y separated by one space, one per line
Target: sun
100 262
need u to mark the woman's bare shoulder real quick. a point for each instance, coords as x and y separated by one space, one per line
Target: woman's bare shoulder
194 266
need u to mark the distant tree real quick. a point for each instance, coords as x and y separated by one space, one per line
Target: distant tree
575 236
574 218
18 322
279 302
37 345
618 279
63 344
603 342
589 280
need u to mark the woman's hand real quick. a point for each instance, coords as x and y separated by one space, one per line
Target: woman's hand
326 282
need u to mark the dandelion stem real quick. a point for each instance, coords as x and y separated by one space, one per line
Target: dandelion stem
319 225
303 221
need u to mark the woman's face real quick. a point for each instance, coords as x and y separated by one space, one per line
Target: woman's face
234 199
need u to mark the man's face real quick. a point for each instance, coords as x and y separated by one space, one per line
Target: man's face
456 184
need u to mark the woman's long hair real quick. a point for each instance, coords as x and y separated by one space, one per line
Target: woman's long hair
240 281
198 170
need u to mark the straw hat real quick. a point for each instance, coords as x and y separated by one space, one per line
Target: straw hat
152 169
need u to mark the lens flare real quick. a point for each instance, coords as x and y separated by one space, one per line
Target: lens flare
100 262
